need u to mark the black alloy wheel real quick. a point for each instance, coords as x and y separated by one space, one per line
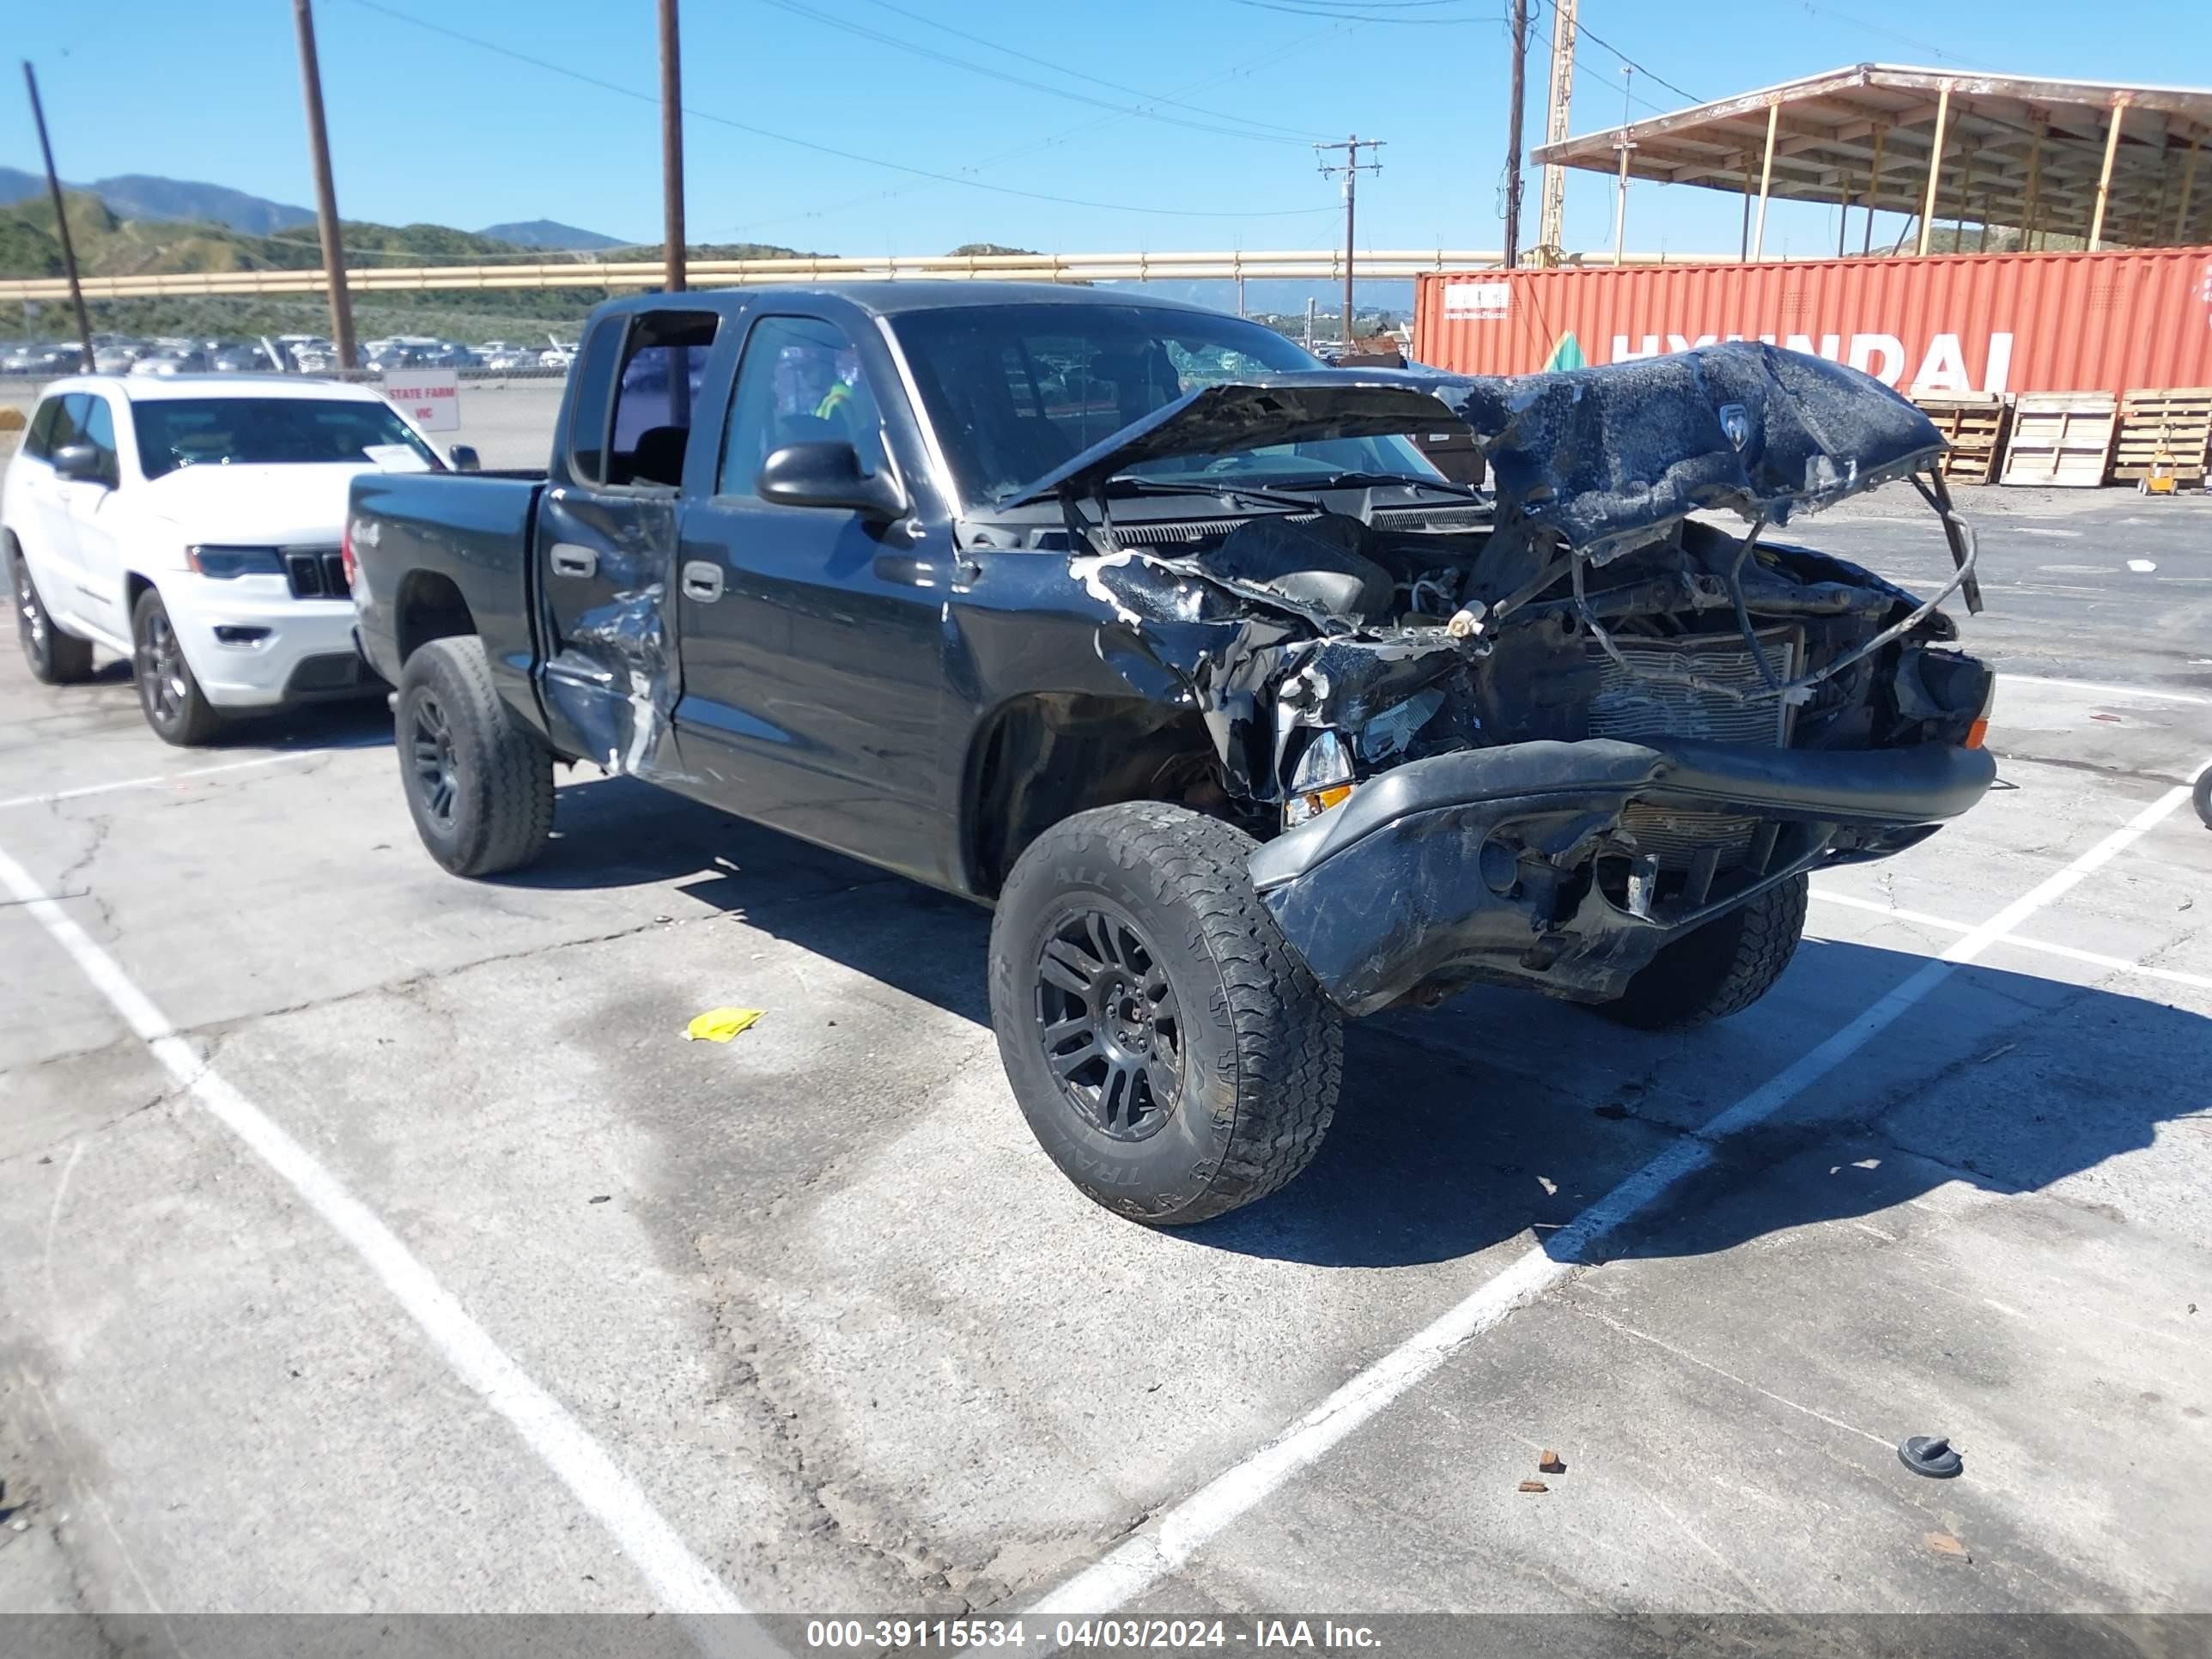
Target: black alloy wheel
1107 1018
437 773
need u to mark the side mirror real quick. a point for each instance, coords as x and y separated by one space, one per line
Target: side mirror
465 459
80 463
830 475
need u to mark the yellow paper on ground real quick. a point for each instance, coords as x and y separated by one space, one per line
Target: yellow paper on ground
719 1024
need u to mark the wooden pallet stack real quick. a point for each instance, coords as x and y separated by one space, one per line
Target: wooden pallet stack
1974 424
2062 438
2173 426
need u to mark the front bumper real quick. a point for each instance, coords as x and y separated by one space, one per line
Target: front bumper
251 644
1505 864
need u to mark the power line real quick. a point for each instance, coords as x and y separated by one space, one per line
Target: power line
1582 31
1097 81
1031 148
799 10
1878 28
622 91
1344 12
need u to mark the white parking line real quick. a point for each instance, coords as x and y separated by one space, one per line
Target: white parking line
2005 679
155 781
680 1579
1167 1543
2117 964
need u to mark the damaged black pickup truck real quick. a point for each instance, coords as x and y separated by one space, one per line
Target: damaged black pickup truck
1127 618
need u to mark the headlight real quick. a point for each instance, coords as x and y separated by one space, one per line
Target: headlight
225 562
1321 780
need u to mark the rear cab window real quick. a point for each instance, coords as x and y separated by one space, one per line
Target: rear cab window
638 389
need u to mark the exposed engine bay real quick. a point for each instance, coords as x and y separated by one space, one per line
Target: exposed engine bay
1325 651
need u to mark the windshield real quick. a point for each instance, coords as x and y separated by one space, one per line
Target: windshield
1016 391
174 432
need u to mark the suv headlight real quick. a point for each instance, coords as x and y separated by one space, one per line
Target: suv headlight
1321 779
226 562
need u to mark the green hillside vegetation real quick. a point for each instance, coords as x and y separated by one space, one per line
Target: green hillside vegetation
108 246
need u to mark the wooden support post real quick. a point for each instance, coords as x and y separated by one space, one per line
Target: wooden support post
1874 189
2105 177
1843 209
1744 250
1766 177
1935 164
2034 185
1620 207
2188 183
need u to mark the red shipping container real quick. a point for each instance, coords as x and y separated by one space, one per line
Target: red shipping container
2113 321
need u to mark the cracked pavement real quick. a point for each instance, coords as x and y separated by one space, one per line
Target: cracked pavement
818 1294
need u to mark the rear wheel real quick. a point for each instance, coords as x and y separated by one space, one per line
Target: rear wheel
2204 796
479 783
1171 1056
55 658
174 705
1720 968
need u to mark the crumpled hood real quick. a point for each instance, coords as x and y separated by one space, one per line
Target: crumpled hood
256 506
1609 456
1606 456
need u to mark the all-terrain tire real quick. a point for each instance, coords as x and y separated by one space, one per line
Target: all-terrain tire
1721 969
479 782
55 658
2203 796
169 694
1245 1082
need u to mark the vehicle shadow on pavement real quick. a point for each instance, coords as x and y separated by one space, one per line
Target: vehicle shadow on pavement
1504 1112
355 723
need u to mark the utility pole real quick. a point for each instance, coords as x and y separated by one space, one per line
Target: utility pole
671 146
1516 98
61 218
1552 231
1352 167
1309 322
326 195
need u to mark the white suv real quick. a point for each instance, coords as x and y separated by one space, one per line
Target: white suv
194 523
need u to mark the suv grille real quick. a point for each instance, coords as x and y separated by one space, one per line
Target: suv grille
316 573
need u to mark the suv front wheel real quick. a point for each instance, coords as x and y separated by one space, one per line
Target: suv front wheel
174 705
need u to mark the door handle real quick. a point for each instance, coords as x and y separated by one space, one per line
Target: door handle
702 581
570 559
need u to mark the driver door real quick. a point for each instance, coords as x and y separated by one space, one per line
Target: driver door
93 510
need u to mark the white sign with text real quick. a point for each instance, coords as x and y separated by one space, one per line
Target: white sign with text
431 398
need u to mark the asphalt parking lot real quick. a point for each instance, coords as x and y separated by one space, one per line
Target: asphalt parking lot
371 1241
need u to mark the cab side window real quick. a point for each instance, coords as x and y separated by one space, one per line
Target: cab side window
60 421
38 438
664 368
99 431
800 381
593 387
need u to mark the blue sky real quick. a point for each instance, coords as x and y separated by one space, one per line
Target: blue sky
428 127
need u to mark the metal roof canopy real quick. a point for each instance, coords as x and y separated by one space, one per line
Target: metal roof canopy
2035 155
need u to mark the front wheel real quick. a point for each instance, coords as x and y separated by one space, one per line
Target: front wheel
1172 1055
1717 970
54 658
479 783
2202 795
168 692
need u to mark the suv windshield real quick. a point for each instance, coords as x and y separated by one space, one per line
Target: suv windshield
174 432
1016 391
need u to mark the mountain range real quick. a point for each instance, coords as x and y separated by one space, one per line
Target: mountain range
187 201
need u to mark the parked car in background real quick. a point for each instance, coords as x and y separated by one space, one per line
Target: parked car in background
42 359
116 359
559 355
242 359
193 524
508 359
166 360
